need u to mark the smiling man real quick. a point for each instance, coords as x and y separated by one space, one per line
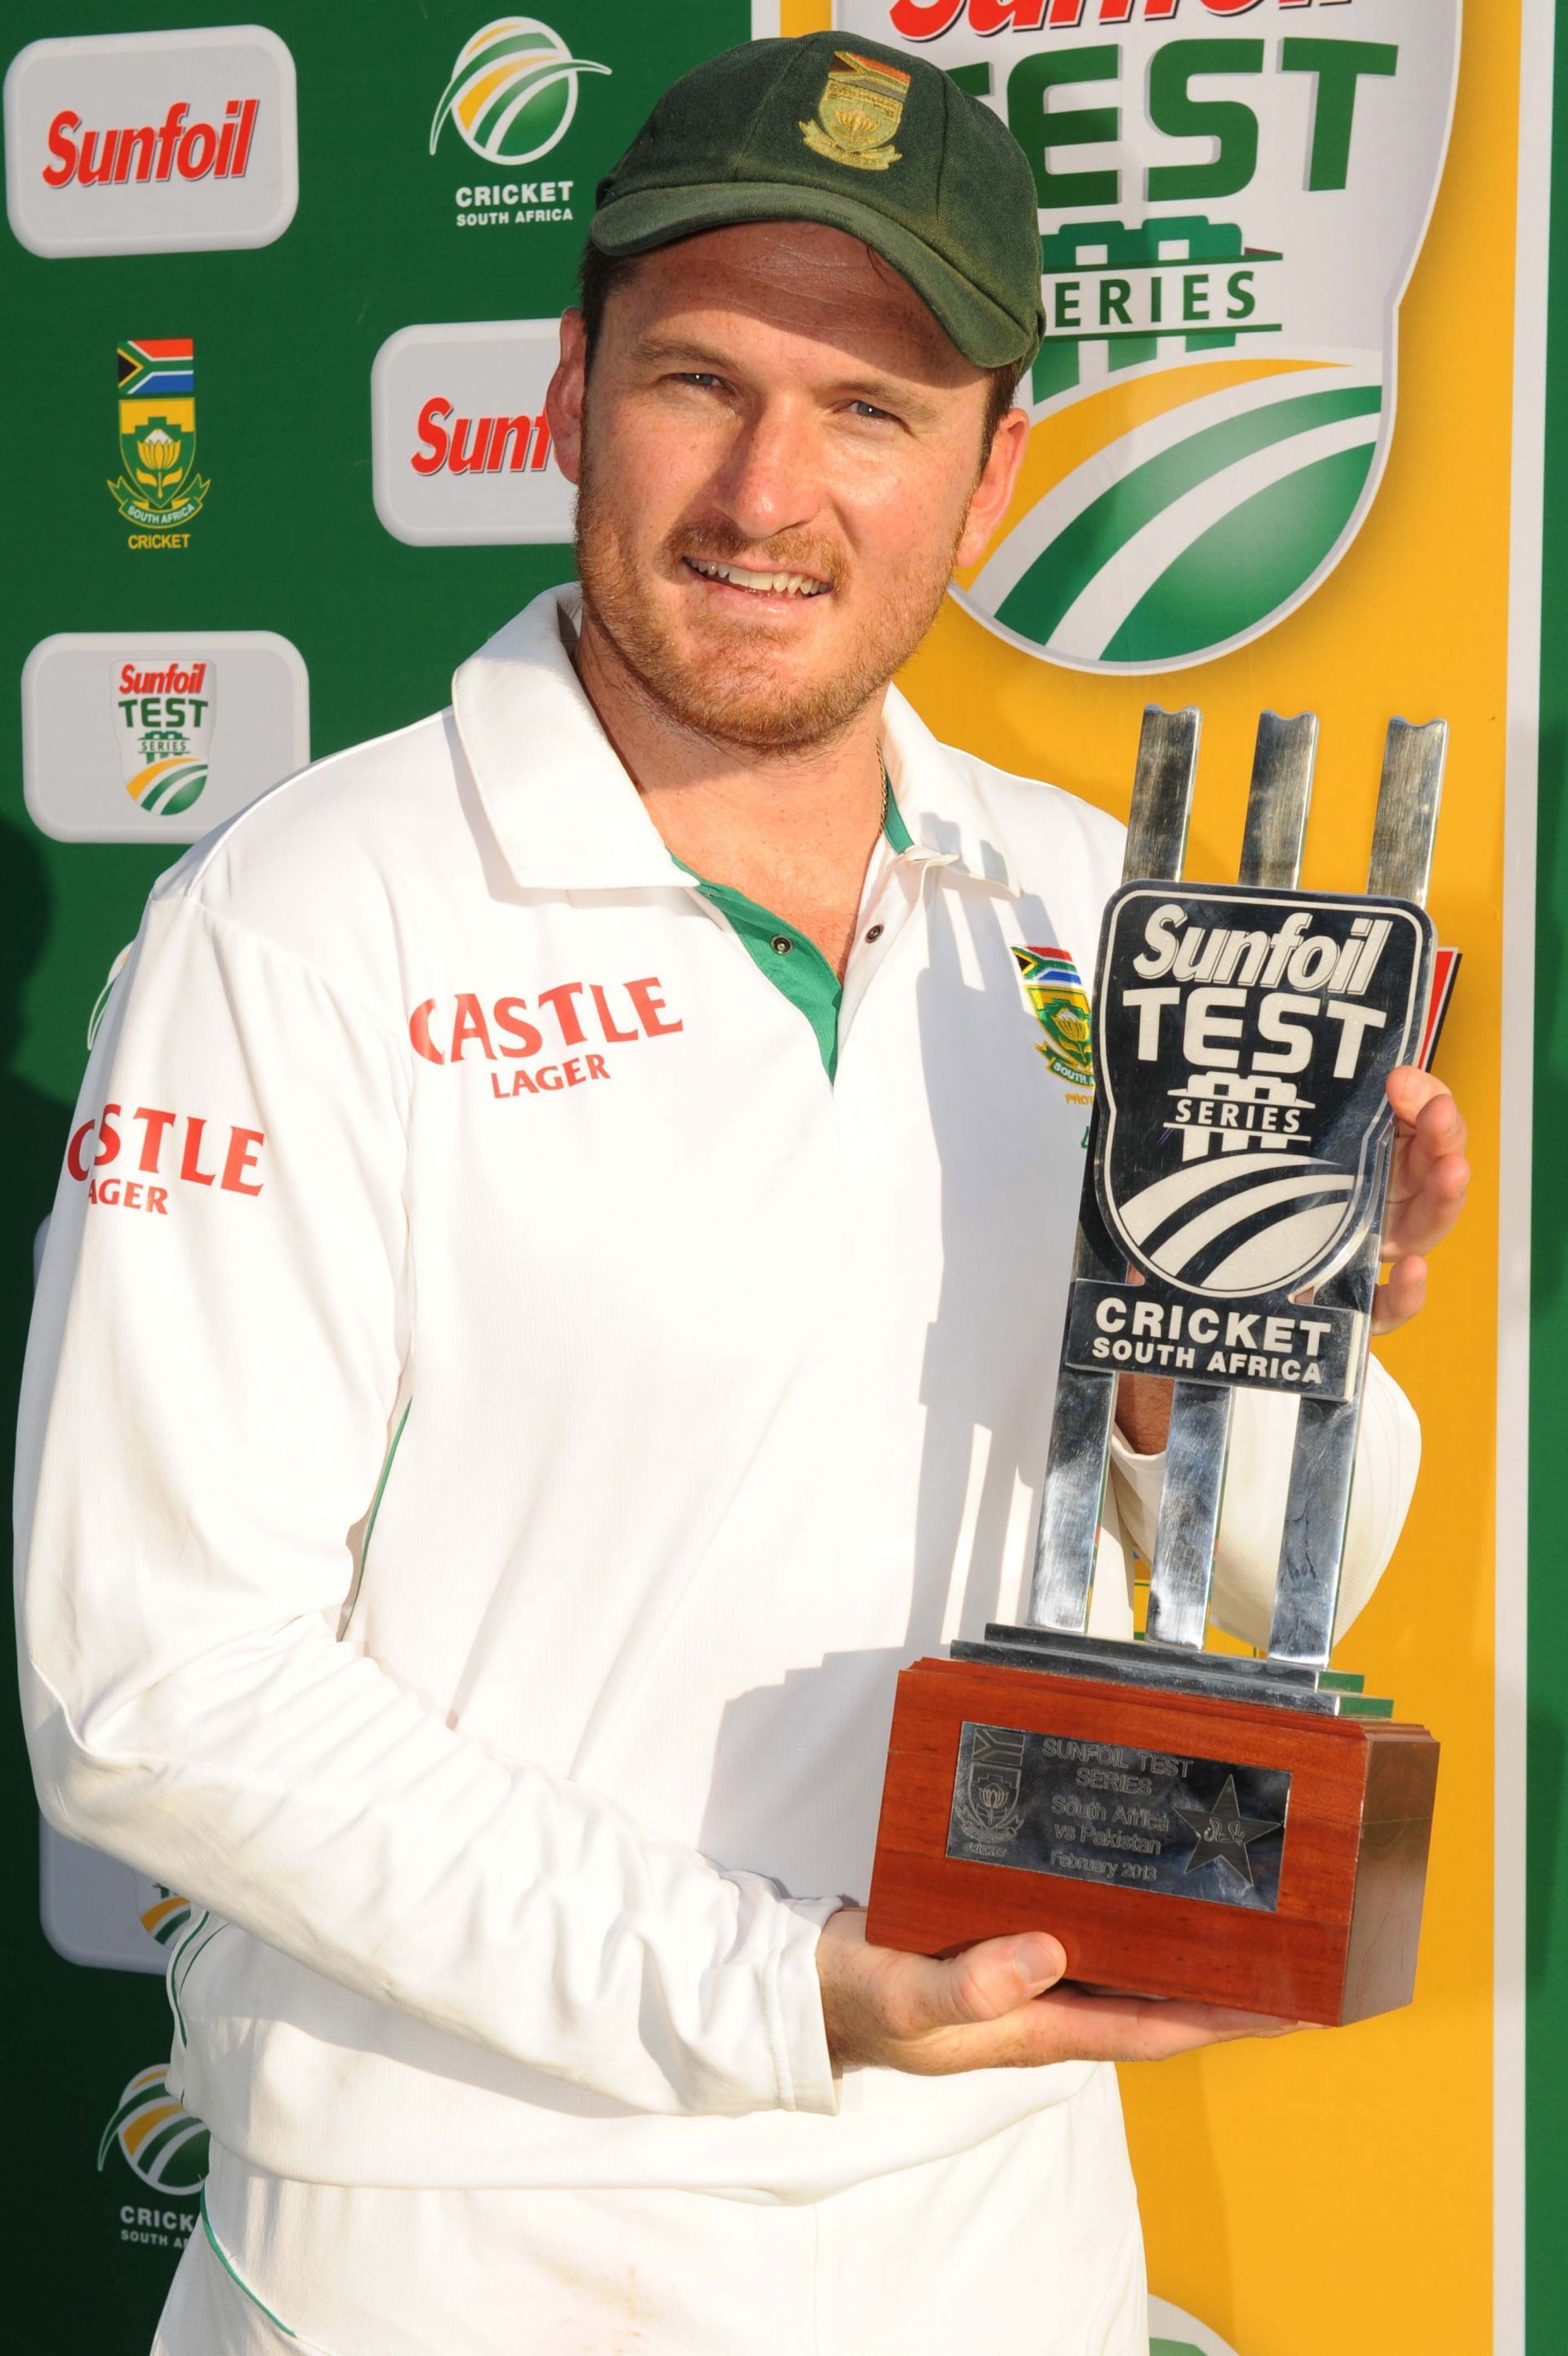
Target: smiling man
468 1546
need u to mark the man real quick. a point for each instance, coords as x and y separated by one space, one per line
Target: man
596 1320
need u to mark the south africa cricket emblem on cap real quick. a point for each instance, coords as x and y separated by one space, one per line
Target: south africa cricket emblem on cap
860 109
1061 1007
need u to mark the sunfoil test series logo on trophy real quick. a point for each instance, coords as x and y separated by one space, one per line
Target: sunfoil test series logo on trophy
1232 202
1244 1045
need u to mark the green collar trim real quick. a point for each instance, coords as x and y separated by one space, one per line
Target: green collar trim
783 955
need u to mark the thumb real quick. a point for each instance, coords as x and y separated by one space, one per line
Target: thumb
993 1978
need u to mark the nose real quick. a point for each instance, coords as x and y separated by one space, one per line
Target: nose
767 482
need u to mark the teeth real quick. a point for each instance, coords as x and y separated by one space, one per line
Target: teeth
792 584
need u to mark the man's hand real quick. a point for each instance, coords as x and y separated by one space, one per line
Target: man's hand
994 2007
1426 1190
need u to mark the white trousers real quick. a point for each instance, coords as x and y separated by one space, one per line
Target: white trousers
1008 2245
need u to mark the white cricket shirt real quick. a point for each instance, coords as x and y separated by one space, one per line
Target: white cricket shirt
445 1162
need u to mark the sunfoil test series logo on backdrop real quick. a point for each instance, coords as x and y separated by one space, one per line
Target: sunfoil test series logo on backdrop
121 733
1231 200
164 722
511 97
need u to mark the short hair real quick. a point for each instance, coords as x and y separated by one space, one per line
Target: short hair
598 275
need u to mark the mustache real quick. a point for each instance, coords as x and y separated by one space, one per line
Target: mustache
785 551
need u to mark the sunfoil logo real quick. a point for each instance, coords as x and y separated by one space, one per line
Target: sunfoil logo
459 441
1231 205
151 143
513 91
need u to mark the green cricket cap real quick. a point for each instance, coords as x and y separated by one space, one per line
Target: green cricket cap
859 137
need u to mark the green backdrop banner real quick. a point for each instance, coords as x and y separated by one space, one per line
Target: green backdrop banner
297 571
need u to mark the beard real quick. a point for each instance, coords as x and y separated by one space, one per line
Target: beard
733 686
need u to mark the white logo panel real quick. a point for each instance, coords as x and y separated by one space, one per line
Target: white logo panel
462 449
96 1911
152 142
142 735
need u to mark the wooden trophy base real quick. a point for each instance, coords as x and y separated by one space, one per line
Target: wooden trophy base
1232 1852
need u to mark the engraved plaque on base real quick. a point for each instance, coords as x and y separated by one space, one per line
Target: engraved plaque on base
1115 1814
1246 1831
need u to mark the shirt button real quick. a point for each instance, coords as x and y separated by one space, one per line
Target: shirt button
782 943
874 934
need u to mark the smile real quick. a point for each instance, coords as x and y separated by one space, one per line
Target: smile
739 576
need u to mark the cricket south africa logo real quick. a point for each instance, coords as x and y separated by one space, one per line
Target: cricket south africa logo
159 488
163 2145
163 726
1231 201
513 91
1061 1007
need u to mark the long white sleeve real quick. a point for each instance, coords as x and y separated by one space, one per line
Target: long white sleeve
211 1390
1257 1478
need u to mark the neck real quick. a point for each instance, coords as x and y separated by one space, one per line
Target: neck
793 829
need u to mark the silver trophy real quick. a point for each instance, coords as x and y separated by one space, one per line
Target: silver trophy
1252 1831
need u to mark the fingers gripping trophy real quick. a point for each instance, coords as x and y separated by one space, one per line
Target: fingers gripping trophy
1244 1832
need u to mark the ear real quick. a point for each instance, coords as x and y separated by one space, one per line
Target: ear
988 501
564 402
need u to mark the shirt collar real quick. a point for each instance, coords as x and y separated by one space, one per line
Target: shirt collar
568 818
940 801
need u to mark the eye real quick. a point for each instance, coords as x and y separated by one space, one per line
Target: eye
869 409
700 377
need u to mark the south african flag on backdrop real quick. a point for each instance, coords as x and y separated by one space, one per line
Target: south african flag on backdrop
157 366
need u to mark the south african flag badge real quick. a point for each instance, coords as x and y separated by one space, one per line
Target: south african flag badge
1061 1007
